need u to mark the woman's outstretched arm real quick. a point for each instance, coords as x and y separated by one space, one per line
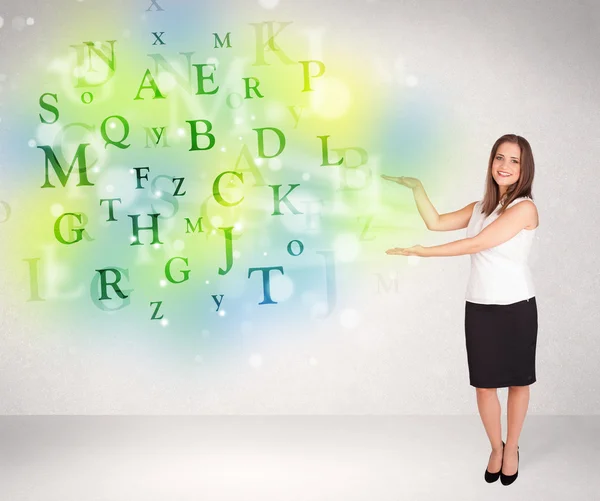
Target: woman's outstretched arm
434 221
425 207
511 222
456 248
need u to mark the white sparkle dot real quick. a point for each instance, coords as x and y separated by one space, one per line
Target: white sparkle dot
164 322
306 176
110 188
258 161
158 193
268 4
163 283
207 282
264 253
181 132
255 360
349 318
223 148
30 21
216 221
112 125
412 81
131 171
252 117
95 169
318 309
178 245
156 246
274 164
222 313
133 239
56 210
347 247
32 143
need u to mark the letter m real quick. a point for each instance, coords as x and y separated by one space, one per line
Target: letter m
221 43
386 286
189 227
63 176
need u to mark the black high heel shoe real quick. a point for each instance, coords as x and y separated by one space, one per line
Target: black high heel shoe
492 477
509 479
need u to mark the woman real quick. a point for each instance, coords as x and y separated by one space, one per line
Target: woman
500 308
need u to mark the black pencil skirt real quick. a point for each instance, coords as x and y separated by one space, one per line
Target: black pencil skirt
501 341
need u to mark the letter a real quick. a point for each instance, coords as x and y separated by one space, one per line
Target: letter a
153 86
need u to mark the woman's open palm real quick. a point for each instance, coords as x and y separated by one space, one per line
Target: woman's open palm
409 182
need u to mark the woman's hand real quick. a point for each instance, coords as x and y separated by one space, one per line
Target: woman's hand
415 250
409 182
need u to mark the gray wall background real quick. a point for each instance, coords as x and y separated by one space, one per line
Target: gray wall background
528 67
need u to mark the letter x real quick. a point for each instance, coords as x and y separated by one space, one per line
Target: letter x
158 7
157 36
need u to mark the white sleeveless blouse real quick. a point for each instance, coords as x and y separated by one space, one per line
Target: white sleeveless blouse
501 274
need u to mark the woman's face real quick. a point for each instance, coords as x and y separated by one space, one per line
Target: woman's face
507 161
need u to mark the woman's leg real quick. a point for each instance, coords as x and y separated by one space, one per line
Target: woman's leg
518 401
489 410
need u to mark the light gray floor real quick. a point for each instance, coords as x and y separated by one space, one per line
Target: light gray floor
288 458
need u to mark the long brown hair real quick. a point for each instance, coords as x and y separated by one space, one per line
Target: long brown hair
522 188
